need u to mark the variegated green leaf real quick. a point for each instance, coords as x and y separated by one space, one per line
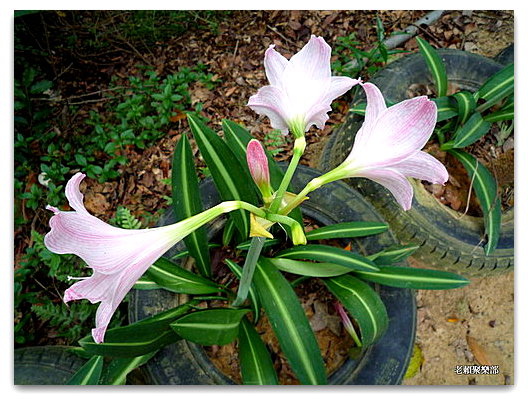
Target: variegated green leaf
89 373
176 279
267 243
500 115
229 230
436 66
309 269
347 230
186 202
118 369
210 327
227 173
445 108
256 365
471 131
466 105
359 108
410 277
290 324
486 190
363 303
393 254
145 284
497 87
139 338
329 254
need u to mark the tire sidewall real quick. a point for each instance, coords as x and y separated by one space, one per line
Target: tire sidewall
448 240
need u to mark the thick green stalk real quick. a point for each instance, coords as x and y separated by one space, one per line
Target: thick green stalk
298 150
249 268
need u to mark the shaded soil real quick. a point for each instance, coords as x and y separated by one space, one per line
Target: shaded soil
318 304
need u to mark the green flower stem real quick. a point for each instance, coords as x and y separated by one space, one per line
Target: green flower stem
251 208
298 150
298 237
334 175
249 268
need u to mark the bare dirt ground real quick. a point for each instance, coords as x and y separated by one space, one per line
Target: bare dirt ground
472 325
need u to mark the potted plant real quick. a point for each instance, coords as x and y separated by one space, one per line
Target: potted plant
282 249
463 227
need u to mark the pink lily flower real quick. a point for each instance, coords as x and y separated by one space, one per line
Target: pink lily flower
118 257
387 147
301 89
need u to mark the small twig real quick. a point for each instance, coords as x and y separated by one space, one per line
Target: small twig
236 48
281 35
429 35
470 189
89 101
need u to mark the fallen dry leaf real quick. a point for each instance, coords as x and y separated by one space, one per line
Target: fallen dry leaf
478 351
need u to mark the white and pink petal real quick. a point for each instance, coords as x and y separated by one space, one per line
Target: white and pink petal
272 102
394 182
423 166
274 64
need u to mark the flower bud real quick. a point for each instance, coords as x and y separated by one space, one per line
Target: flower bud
258 167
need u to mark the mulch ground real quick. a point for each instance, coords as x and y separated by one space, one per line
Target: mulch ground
234 54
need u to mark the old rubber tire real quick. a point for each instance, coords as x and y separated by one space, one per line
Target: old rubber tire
447 241
384 363
48 365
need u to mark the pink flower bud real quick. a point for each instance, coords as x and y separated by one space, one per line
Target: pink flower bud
258 167
347 323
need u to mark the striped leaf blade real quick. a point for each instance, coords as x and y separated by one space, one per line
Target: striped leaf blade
210 327
118 369
138 338
363 303
145 284
329 254
176 279
436 66
466 105
486 190
309 269
445 108
498 86
347 230
467 134
410 277
256 365
393 254
227 173
359 108
267 243
186 202
253 297
500 115
290 324
89 373
236 137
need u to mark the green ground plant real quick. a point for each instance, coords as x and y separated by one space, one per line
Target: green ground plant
135 112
